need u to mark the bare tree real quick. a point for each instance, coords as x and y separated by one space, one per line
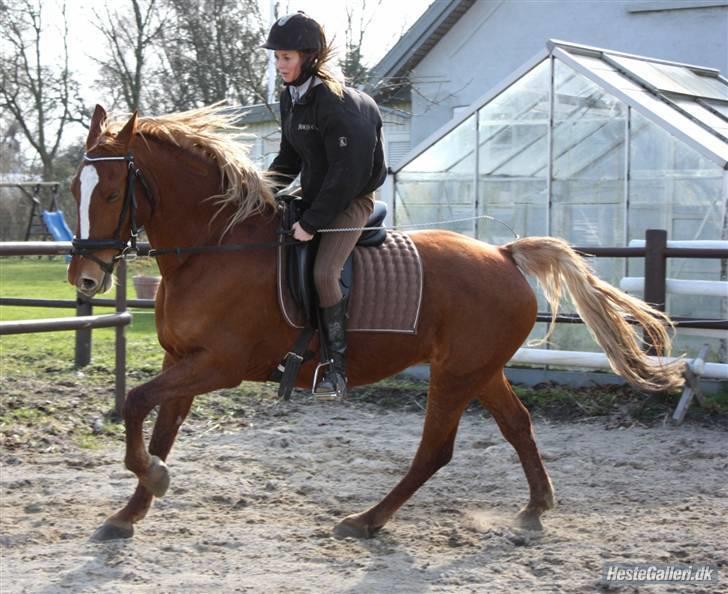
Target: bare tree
130 30
357 21
10 145
42 98
209 52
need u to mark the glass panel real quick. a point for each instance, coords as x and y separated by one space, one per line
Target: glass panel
677 79
588 172
438 186
525 99
517 205
707 117
450 153
587 189
674 187
643 99
433 203
513 154
589 129
671 183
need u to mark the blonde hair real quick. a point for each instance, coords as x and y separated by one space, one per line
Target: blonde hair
321 66
211 131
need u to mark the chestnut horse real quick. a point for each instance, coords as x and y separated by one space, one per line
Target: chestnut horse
219 322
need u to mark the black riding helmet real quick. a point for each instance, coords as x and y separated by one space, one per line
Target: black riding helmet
295 32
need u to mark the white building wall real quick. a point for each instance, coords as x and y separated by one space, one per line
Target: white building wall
495 37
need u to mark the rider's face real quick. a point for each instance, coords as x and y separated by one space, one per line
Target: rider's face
289 64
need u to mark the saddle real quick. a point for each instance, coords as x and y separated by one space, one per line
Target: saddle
381 280
299 258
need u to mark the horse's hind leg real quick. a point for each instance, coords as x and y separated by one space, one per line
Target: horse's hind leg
121 525
446 402
515 425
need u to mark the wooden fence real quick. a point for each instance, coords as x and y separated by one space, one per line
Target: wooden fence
655 252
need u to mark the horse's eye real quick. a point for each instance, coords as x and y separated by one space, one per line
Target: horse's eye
113 196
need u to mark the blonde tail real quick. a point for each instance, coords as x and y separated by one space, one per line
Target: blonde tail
604 309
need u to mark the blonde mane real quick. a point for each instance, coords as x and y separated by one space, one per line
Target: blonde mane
211 131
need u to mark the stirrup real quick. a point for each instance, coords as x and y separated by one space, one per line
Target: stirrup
327 395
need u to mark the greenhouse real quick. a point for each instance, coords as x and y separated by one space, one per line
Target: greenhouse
592 146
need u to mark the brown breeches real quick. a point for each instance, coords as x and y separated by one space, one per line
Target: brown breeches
335 248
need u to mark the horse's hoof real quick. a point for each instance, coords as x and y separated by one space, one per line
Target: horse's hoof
353 527
528 520
109 531
156 478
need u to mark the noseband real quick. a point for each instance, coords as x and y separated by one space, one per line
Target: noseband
127 248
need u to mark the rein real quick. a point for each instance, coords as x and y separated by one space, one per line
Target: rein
204 249
417 226
128 250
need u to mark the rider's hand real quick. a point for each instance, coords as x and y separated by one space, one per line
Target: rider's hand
300 233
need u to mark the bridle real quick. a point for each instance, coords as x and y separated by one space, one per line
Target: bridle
127 248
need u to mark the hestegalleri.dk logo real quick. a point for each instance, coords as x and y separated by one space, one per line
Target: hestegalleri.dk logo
656 573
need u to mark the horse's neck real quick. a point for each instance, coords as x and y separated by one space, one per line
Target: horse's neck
184 217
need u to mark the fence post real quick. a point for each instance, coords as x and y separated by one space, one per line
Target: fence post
83 335
120 369
655 267
655 270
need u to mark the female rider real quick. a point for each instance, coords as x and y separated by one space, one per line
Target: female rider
332 136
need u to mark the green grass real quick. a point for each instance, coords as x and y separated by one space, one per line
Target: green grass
45 397
54 351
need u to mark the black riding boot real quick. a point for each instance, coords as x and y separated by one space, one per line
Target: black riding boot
333 322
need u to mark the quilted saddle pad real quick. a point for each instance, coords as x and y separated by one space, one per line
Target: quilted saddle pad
386 295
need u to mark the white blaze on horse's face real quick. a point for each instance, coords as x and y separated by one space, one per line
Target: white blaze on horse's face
88 180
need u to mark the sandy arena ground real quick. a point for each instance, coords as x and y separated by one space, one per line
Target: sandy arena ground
251 509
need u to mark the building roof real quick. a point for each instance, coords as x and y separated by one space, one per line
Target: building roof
258 113
690 102
415 44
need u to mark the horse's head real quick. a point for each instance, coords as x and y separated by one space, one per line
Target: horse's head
103 189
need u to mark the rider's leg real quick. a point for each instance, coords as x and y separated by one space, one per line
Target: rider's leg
333 252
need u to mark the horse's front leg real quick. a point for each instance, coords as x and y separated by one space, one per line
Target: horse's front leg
185 378
174 390
121 525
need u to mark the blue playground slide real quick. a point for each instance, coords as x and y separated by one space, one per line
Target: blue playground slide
57 227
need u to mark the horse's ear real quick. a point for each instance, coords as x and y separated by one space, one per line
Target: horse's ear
94 130
127 132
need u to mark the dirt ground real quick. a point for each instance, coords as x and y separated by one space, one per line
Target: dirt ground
253 502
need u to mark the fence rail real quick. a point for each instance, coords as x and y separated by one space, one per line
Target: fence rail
84 322
655 252
56 324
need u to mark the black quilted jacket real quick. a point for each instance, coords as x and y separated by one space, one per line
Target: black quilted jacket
336 145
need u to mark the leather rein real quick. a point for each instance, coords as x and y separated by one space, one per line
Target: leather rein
128 250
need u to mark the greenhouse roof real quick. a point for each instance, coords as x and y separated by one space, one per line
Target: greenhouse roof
691 102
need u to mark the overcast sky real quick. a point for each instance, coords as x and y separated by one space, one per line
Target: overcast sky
391 19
